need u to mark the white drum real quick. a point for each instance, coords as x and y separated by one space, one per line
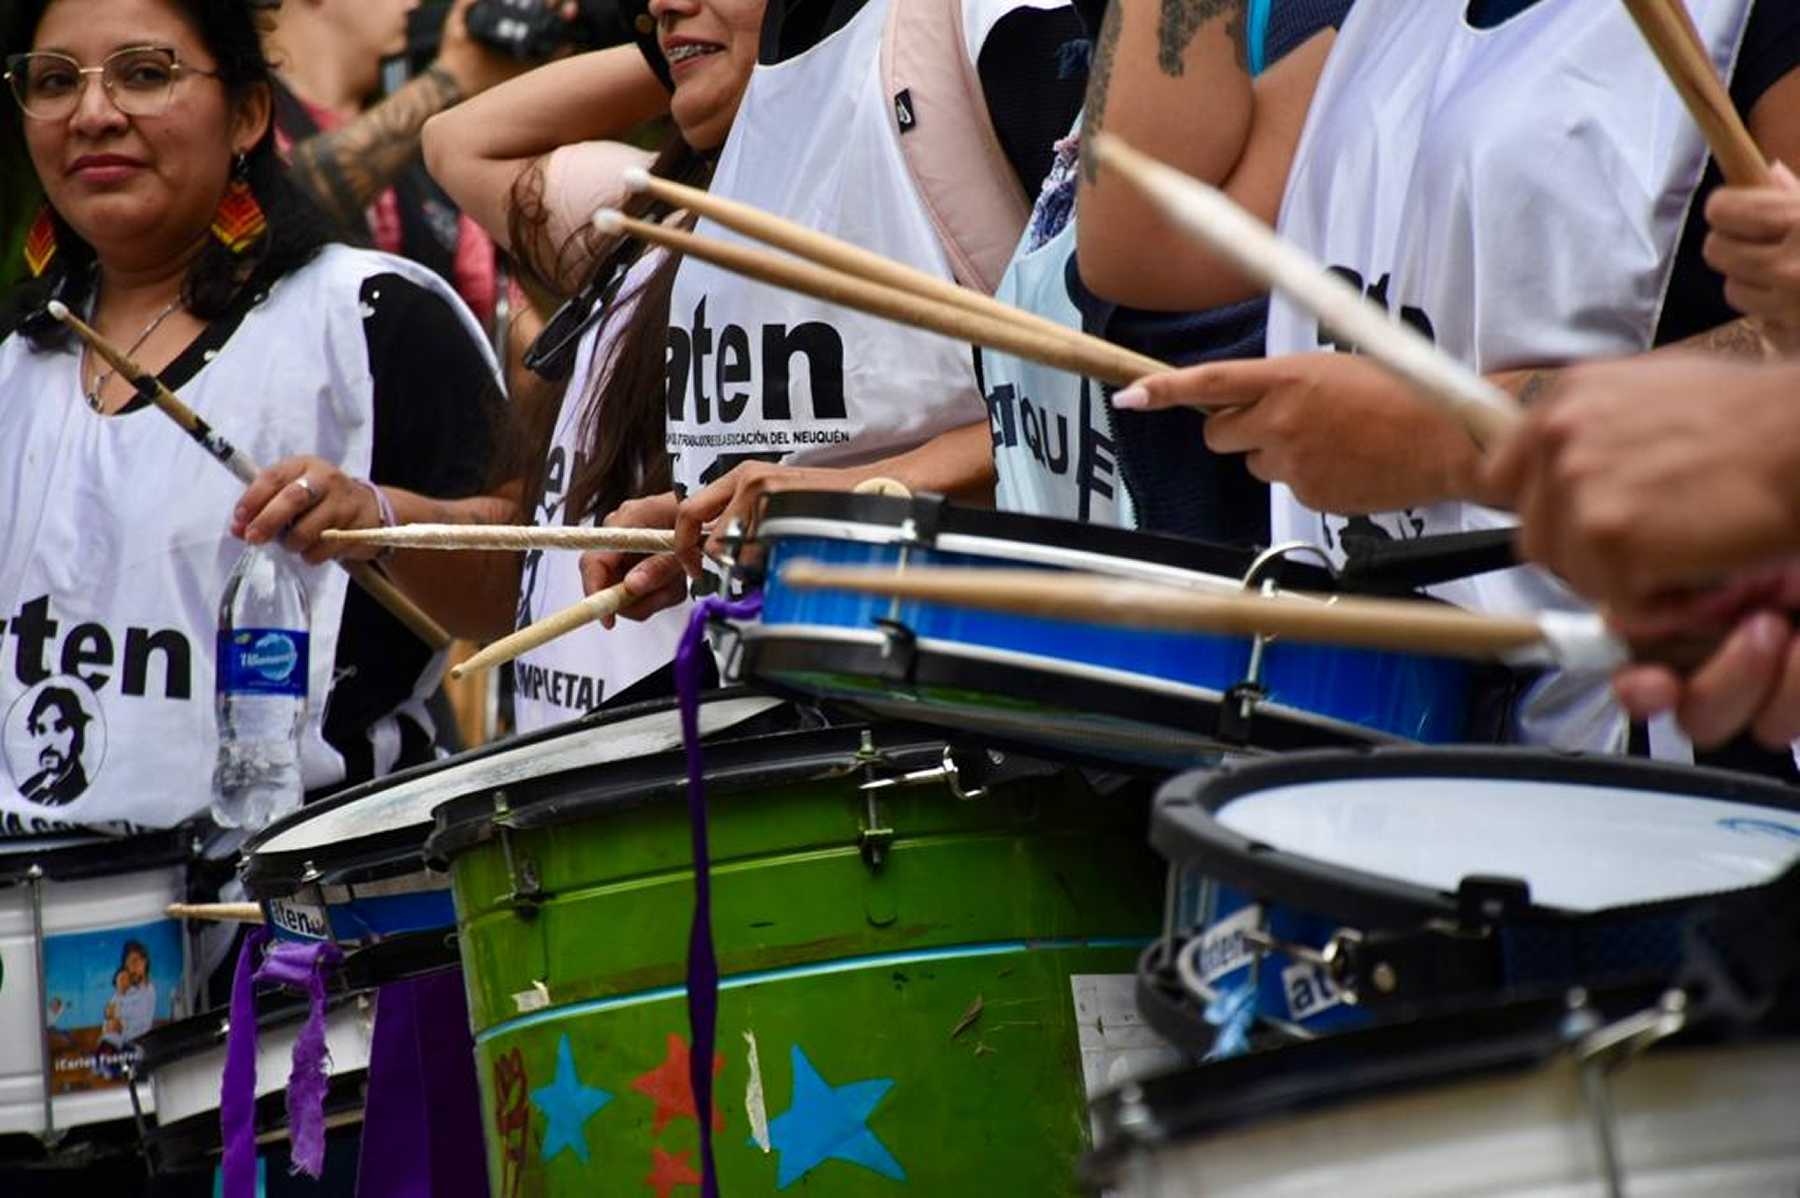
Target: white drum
184 1067
1498 1105
89 963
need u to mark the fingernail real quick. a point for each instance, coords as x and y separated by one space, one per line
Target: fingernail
635 582
1781 172
1768 633
1132 398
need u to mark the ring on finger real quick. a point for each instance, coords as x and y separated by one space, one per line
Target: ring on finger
312 496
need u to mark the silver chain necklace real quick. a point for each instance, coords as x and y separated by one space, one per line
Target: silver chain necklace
93 393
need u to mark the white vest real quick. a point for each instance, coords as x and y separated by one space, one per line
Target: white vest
758 372
1054 449
1521 190
575 673
115 548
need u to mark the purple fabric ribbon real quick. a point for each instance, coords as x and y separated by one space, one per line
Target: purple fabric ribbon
237 1091
301 967
703 963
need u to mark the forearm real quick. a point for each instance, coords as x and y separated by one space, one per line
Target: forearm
958 464
472 594
1735 341
478 150
344 170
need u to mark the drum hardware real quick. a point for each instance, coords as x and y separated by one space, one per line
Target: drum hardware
1608 1049
527 892
875 838
949 773
1195 984
1238 711
34 879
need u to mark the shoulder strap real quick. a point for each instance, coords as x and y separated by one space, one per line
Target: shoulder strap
947 139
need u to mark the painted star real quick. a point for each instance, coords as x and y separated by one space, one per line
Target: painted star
567 1106
667 1172
669 1087
829 1122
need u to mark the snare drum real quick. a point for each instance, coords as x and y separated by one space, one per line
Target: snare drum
904 968
1119 694
183 1068
89 963
350 868
1498 1102
1329 886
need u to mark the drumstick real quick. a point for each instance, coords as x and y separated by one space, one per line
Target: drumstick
597 606
1565 639
506 536
839 255
1065 349
216 912
148 385
1212 218
1669 28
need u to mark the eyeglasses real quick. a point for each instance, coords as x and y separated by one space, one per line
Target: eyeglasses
140 81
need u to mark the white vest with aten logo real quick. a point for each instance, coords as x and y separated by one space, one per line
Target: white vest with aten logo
115 548
1521 190
758 372
577 672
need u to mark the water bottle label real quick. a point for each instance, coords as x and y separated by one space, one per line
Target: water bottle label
263 661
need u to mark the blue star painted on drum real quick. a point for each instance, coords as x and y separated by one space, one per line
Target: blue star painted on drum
827 1122
567 1106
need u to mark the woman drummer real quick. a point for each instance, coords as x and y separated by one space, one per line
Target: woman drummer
1493 173
169 224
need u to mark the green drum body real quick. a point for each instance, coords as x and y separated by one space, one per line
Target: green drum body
900 968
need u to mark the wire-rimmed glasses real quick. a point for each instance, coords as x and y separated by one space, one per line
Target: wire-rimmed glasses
140 81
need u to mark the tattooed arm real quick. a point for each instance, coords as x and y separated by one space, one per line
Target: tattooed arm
344 170
1171 78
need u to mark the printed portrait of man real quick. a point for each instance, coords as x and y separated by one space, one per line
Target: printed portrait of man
57 728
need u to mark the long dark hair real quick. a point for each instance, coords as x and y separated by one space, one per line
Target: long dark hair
297 229
623 408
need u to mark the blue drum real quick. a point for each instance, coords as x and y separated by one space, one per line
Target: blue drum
1324 890
351 868
1157 698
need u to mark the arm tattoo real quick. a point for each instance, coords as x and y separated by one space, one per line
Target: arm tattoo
1106 48
1538 384
343 171
1182 19
1739 339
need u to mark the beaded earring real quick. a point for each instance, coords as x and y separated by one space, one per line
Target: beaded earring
40 243
239 222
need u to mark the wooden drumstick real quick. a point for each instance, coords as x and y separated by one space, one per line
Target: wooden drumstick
216 912
597 606
1063 349
1669 28
148 385
506 536
1212 218
839 255
1566 639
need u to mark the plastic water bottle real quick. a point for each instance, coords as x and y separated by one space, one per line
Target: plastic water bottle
261 691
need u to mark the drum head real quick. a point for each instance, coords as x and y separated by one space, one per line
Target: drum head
385 823
1393 833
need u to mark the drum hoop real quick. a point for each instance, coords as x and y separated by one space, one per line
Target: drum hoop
1476 1040
731 767
1185 828
933 519
1118 693
100 857
393 852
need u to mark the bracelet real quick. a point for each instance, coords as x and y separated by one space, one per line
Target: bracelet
385 507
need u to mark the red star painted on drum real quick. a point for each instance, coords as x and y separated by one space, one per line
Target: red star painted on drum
667 1085
668 1171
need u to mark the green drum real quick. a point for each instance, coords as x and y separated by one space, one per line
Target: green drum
902 967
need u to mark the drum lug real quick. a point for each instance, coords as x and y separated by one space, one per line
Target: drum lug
876 837
949 773
527 891
34 879
1599 1053
1483 901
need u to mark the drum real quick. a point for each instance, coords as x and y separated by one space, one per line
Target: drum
1531 1098
349 869
1167 699
1330 887
914 966
183 1067
89 964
